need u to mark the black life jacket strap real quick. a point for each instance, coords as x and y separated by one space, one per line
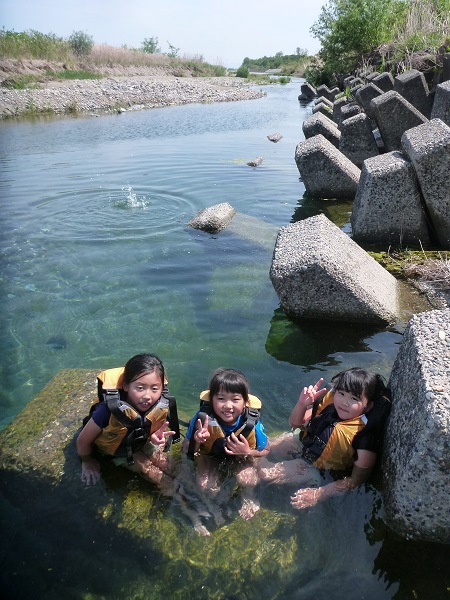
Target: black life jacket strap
251 416
174 423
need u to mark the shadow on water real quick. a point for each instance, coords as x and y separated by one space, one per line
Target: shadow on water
338 211
309 342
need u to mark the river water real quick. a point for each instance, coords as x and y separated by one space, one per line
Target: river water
98 265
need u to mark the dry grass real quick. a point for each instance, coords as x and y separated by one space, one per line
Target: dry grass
103 54
433 271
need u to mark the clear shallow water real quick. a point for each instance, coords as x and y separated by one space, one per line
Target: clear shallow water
98 265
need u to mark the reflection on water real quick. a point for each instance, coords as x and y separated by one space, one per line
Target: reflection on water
97 265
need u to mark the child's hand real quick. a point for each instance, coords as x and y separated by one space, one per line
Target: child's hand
90 471
306 498
237 445
311 393
201 433
159 436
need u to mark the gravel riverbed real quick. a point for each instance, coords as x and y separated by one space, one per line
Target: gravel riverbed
118 94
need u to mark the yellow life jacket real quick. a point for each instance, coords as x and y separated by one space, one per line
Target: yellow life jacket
128 430
327 442
214 445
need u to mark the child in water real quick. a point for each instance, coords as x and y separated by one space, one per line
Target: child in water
340 432
227 431
138 390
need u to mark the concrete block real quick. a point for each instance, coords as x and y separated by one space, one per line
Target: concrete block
323 90
307 91
384 81
365 95
441 104
388 207
337 108
357 141
371 76
416 457
334 92
349 110
413 87
320 124
324 101
428 147
394 115
325 171
324 109
318 272
446 67
213 218
348 81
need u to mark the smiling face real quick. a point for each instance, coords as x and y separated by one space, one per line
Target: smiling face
144 392
228 406
349 406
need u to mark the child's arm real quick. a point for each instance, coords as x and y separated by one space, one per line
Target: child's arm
361 471
301 413
201 434
90 469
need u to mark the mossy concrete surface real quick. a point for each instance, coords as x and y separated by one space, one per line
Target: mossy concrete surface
38 436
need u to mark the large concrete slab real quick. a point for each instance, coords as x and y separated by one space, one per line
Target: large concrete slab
394 115
428 147
318 272
325 171
416 464
388 208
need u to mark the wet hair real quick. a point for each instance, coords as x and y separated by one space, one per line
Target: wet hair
140 365
229 380
359 383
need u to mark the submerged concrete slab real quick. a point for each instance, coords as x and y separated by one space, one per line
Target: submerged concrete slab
388 208
357 141
318 272
213 218
416 463
394 115
320 124
413 87
441 104
325 171
428 147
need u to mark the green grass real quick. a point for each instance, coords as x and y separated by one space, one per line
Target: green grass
67 74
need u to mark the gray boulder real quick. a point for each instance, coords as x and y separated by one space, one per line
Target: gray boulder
274 137
213 218
357 141
388 208
318 272
394 115
416 463
428 147
325 171
441 104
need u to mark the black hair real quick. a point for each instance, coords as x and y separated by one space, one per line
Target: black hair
360 382
229 380
142 364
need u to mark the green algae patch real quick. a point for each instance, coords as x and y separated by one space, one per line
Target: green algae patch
37 438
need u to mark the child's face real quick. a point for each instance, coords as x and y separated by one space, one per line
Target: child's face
144 391
349 406
228 406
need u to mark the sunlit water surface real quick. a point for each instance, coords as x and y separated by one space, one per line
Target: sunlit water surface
98 265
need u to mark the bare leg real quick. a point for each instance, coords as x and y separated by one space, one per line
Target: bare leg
291 471
208 482
248 478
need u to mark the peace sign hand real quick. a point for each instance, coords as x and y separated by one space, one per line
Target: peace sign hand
201 433
159 437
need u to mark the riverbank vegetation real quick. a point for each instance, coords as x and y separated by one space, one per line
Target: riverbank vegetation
288 64
389 35
79 53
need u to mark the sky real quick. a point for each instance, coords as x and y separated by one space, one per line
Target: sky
222 31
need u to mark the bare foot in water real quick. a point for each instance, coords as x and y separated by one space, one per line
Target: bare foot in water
249 508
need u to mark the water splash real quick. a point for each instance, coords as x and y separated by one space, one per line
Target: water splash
131 200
